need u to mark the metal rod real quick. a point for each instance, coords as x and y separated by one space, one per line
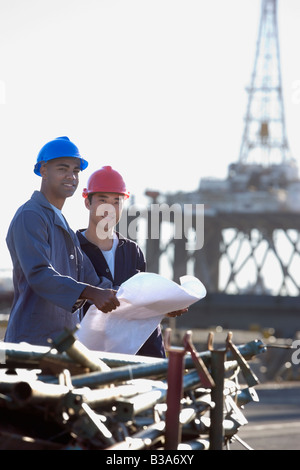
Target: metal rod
217 395
174 396
142 439
31 355
66 342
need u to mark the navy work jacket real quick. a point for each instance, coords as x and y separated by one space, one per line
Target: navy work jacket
50 271
129 260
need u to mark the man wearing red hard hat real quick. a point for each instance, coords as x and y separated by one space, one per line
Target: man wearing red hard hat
113 256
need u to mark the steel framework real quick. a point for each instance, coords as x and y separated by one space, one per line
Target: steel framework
251 219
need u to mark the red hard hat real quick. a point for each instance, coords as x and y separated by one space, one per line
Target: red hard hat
105 180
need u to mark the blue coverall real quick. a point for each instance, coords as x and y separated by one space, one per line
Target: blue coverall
50 271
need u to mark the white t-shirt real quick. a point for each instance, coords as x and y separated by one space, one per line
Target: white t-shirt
109 255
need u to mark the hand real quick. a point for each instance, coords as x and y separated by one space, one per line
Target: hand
104 299
177 313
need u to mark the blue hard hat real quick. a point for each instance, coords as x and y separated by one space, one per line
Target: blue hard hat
59 147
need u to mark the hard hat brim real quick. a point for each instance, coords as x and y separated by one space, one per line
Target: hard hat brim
83 164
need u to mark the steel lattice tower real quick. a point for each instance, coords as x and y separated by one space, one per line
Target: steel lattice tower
264 140
252 223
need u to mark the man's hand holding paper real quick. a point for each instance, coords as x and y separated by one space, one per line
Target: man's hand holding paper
144 301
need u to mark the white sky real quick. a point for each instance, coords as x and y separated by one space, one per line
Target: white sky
155 88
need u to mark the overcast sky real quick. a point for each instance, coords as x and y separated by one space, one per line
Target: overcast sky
155 88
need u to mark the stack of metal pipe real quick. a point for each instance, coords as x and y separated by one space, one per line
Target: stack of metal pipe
67 397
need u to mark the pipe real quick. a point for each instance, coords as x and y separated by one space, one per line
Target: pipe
174 396
217 395
25 355
129 372
143 439
77 351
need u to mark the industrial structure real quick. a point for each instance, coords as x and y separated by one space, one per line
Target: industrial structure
251 218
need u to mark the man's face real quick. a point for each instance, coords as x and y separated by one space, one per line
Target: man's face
61 176
105 209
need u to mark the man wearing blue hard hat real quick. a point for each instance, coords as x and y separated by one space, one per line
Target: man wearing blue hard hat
52 277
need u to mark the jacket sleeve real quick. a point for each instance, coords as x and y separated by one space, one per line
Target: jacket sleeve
92 278
32 250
